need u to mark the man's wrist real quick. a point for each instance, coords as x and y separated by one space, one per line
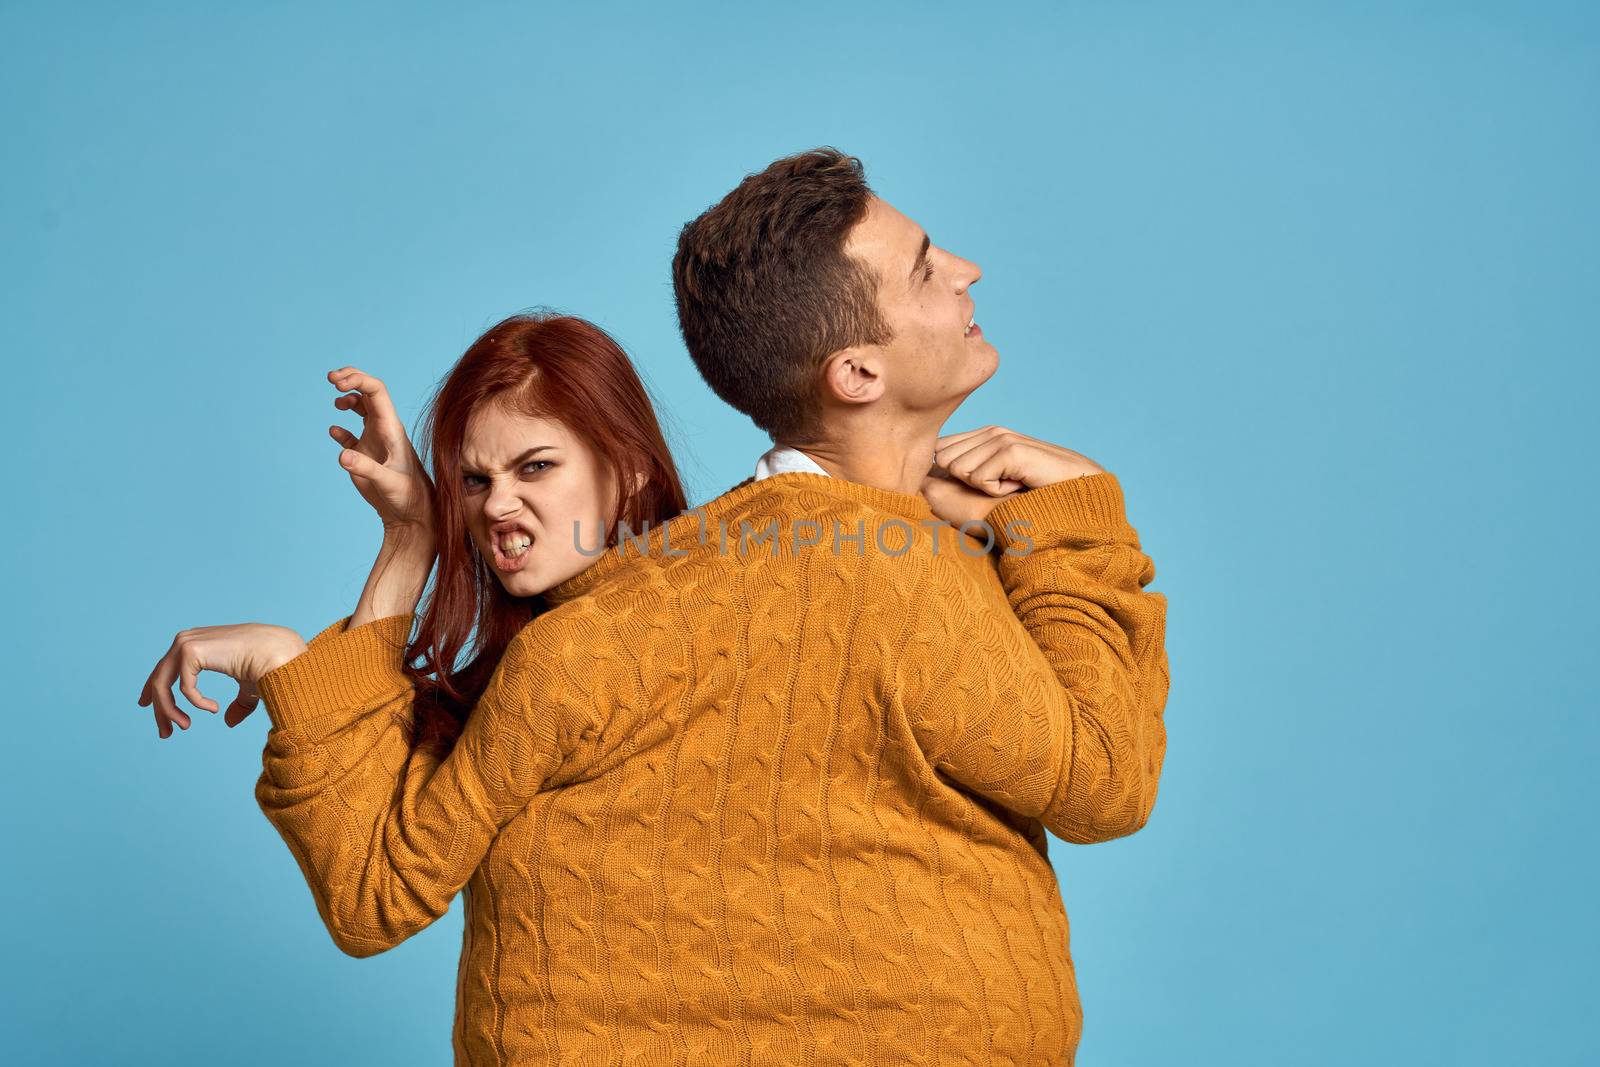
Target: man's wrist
1075 472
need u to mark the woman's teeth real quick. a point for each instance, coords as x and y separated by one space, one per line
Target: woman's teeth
514 545
969 325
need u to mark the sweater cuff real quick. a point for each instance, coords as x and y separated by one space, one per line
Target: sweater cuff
330 630
1089 505
340 670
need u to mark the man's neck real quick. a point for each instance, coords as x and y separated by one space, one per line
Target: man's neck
896 458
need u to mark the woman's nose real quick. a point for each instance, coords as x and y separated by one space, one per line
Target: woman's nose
501 505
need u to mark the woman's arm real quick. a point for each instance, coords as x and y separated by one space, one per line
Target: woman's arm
248 650
384 468
400 573
386 833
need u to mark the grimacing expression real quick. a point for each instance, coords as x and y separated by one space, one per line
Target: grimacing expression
934 360
526 482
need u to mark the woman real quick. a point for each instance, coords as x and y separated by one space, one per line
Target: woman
559 381
543 443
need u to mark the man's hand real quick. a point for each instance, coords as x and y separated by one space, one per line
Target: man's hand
956 502
975 470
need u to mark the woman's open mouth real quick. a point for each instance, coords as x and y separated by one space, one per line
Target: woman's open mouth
510 550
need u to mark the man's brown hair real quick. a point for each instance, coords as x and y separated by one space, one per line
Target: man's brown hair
766 292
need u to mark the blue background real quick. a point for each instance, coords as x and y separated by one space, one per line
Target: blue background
1318 282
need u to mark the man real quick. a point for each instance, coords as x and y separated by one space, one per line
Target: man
841 329
769 784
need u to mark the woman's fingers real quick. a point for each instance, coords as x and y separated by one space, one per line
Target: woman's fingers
381 461
147 697
361 465
235 650
158 691
374 400
166 707
351 402
189 684
164 698
181 665
242 705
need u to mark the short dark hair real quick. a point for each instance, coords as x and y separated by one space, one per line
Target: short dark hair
766 291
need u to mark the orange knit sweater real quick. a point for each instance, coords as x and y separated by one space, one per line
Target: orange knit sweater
747 800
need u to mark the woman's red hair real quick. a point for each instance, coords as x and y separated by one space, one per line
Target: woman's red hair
545 366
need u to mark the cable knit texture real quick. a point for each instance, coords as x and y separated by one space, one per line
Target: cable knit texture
740 799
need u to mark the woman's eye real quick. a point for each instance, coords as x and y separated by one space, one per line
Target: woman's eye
478 481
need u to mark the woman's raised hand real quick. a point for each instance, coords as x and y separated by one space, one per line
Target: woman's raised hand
244 652
382 463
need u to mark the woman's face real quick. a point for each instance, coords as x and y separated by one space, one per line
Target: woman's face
528 479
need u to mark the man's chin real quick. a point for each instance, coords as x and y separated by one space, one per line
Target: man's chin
978 370
993 364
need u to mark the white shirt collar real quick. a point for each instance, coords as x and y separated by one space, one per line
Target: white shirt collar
783 459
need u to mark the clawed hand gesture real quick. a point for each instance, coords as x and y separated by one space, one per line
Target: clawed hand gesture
384 467
244 652
975 470
382 462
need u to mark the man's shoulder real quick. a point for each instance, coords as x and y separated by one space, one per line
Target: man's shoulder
805 495
771 534
876 532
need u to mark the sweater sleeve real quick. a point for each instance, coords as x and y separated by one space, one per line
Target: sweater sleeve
386 833
1056 711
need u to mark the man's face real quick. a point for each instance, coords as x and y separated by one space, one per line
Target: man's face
934 361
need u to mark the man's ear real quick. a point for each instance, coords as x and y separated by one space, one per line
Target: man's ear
853 375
